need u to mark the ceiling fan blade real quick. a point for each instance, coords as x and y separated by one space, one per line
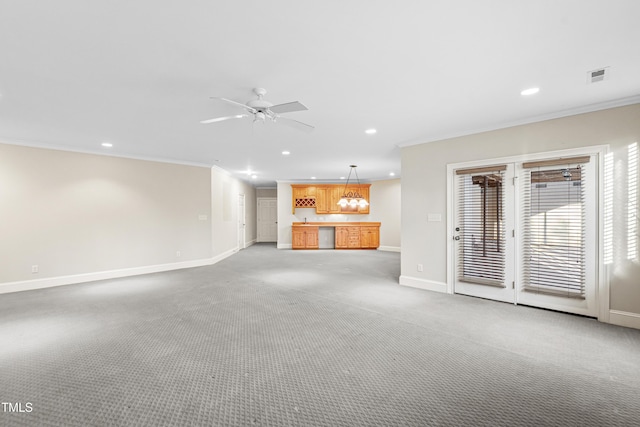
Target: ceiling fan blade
220 119
288 107
295 124
237 104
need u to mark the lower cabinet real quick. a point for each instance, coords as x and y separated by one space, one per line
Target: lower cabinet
342 238
354 238
360 237
304 237
369 237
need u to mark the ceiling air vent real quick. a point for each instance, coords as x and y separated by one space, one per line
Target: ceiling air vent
598 75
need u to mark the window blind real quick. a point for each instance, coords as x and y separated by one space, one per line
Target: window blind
553 241
481 226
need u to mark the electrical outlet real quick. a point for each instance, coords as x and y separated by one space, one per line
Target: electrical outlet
34 269
178 254
420 267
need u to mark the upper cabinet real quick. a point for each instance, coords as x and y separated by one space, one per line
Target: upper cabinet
303 196
327 200
303 191
325 197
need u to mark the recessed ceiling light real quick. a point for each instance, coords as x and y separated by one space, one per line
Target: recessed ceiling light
370 131
313 177
107 144
343 177
254 176
286 153
392 174
530 91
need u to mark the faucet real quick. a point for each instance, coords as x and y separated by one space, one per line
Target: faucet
305 219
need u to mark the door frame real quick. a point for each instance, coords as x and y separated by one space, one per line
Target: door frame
242 221
602 276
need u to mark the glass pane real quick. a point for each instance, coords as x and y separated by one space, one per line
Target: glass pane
555 232
481 229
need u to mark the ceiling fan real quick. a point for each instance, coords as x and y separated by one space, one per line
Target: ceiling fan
261 110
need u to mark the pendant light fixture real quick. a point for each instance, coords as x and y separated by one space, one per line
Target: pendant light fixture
352 198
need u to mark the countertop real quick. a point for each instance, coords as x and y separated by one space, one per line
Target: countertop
337 224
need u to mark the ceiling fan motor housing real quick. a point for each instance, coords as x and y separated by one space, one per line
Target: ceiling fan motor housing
259 104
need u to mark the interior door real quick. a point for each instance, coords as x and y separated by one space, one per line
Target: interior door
483 234
267 220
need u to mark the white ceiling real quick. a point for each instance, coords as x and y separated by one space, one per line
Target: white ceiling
139 74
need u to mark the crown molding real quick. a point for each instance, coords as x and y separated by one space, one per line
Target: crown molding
622 102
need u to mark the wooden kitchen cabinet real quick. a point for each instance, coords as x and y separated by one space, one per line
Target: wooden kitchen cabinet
342 238
369 237
322 200
335 193
302 196
304 237
325 197
303 191
354 238
348 235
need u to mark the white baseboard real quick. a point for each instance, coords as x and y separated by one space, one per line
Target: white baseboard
624 318
389 248
284 245
50 282
223 255
428 285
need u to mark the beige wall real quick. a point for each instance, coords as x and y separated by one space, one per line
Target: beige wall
85 217
72 213
424 187
224 211
385 208
266 192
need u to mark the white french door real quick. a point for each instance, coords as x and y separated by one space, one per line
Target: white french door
483 232
526 233
558 265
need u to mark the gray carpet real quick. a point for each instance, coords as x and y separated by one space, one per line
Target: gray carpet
309 338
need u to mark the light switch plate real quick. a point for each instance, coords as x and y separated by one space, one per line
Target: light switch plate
434 217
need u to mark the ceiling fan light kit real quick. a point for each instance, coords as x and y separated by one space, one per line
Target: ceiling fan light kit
352 198
261 110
